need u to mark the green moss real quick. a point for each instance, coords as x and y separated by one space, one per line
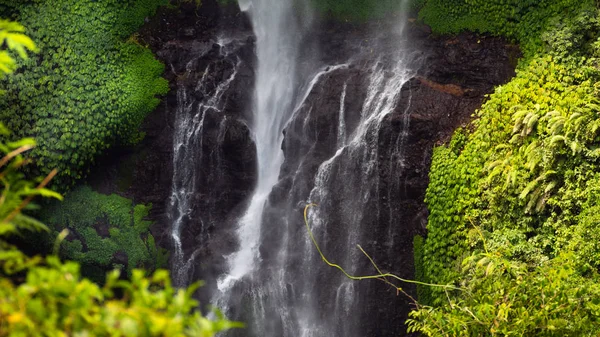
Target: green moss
102 226
89 88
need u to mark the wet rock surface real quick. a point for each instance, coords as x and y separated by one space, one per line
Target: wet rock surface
200 48
454 74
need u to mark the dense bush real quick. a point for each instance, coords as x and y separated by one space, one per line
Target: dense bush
102 228
88 88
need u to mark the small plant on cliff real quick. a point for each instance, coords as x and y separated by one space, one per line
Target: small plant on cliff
104 227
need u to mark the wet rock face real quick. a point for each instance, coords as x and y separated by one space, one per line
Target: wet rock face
454 74
189 42
212 59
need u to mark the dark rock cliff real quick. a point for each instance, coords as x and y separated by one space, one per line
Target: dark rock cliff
455 74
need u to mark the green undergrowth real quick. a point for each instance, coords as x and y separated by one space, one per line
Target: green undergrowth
104 231
89 87
514 197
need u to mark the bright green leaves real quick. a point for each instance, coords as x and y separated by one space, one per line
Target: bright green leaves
7 63
56 299
87 89
12 34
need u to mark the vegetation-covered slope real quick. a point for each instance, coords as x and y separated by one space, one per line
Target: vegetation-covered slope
513 198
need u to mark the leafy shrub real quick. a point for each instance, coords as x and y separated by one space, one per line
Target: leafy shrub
103 226
87 89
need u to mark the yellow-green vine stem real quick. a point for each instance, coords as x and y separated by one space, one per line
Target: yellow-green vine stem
381 276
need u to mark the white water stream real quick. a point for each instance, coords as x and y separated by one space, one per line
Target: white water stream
278 37
187 150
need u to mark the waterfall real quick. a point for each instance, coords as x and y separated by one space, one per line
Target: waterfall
341 139
187 151
275 280
351 175
278 36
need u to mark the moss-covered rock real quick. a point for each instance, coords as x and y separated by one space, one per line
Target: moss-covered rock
106 231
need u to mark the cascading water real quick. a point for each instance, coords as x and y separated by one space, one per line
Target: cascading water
278 37
188 150
343 187
276 282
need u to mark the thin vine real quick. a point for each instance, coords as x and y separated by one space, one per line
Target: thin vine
381 276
